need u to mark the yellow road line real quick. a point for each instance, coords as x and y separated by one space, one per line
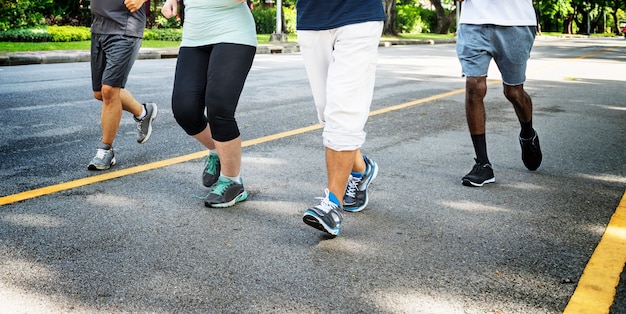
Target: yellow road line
9 199
596 288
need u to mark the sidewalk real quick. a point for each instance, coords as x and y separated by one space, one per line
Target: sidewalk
65 56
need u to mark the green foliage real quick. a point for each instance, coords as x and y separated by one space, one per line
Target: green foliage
26 35
408 19
166 34
265 20
23 13
69 33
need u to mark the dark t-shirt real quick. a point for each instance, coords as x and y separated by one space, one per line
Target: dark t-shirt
329 14
111 17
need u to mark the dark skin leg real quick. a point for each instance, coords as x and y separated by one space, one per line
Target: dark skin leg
476 90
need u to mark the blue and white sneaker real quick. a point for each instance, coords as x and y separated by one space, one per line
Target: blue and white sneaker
326 216
355 199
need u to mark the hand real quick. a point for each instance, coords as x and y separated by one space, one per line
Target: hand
170 8
133 5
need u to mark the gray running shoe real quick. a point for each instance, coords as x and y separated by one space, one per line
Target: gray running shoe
355 198
212 168
104 159
225 193
144 126
326 216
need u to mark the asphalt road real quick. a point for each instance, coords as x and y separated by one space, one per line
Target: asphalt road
135 239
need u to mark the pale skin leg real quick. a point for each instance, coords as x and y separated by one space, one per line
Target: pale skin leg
229 152
114 100
339 164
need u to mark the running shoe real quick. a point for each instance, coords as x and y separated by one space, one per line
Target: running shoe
355 198
144 126
480 175
531 152
225 193
104 159
212 168
326 216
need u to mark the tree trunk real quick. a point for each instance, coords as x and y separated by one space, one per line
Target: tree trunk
444 20
389 28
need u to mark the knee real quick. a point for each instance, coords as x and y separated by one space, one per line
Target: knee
514 94
476 87
109 92
97 95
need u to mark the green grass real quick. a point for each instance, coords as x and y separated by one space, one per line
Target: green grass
85 45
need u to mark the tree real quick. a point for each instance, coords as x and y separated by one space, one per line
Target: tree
444 19
389 28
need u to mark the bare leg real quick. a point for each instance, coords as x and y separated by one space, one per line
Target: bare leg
476 89
521 101
338 167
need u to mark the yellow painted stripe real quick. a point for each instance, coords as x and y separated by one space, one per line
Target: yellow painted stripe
167 162
597 286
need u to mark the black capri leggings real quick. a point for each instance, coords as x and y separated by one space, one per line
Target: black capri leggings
210 78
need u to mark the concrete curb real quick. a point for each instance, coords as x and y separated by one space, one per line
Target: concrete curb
65 56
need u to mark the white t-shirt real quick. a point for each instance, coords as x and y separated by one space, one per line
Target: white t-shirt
498 12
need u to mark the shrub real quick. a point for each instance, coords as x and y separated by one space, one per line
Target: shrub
26 35
265 20
168 34
69 33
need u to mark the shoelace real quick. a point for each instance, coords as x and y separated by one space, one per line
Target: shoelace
217 188
210 164
100 153
352 186
326 205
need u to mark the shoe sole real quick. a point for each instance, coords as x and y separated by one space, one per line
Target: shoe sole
152 118
314 221
362 207
470 183
239 198
97 167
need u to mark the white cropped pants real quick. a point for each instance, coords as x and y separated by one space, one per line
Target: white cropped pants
341 66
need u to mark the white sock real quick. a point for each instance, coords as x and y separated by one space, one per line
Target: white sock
213 152
143 113
236 179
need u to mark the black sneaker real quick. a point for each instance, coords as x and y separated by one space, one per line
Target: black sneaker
480 175
212 168
355 199
326 216
225 193
531 152
144 126
104 159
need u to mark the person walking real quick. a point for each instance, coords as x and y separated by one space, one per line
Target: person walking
339 45
116 34
214 59
505 32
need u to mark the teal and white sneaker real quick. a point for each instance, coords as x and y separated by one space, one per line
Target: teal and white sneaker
212 168
355 198
225 193
104 159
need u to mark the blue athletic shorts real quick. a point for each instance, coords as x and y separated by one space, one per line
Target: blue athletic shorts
112 57
509 46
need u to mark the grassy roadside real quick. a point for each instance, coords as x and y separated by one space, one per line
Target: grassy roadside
85 45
